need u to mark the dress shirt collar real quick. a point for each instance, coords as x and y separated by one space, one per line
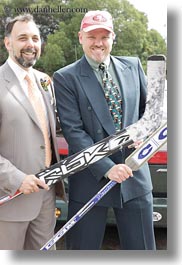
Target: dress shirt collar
95 65
18 71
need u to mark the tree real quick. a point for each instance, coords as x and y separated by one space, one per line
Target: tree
55 51
59 23
131 28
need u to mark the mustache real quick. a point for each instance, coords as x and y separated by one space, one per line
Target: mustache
29 50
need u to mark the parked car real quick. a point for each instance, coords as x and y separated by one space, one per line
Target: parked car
158 169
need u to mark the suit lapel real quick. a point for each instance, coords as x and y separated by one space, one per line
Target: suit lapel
48 100
95 96
17 92
125 80
92 88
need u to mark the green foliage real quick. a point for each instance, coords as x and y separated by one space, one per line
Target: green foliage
59 23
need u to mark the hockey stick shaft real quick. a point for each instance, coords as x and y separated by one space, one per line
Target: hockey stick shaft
149 122
135 160
7 198
76 218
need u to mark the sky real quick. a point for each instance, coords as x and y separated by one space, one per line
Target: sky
156 11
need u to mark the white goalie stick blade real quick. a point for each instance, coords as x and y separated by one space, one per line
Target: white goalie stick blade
135 160
150 121
152 117
148 148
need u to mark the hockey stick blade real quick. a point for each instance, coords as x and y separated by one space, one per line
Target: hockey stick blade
138 157
148 148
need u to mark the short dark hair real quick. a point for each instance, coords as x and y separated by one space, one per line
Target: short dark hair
23 18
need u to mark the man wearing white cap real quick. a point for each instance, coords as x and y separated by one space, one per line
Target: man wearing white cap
97 96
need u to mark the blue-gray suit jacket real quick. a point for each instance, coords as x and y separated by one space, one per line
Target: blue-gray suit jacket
85 119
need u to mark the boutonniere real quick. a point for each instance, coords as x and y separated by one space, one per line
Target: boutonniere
45 82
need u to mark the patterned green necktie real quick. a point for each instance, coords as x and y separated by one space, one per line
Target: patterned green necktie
112 96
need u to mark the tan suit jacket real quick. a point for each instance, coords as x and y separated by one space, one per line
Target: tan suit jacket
21 146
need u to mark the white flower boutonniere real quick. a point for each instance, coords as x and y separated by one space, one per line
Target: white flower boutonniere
45 82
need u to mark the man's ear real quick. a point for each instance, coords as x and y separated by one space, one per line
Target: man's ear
7 43
80 37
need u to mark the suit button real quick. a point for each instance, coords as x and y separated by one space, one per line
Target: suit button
89 108
42 147
99 131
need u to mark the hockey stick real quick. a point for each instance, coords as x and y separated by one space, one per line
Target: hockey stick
135 161
150 121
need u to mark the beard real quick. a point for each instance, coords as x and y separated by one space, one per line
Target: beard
27 62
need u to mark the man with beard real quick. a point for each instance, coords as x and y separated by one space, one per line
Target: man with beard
27 141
